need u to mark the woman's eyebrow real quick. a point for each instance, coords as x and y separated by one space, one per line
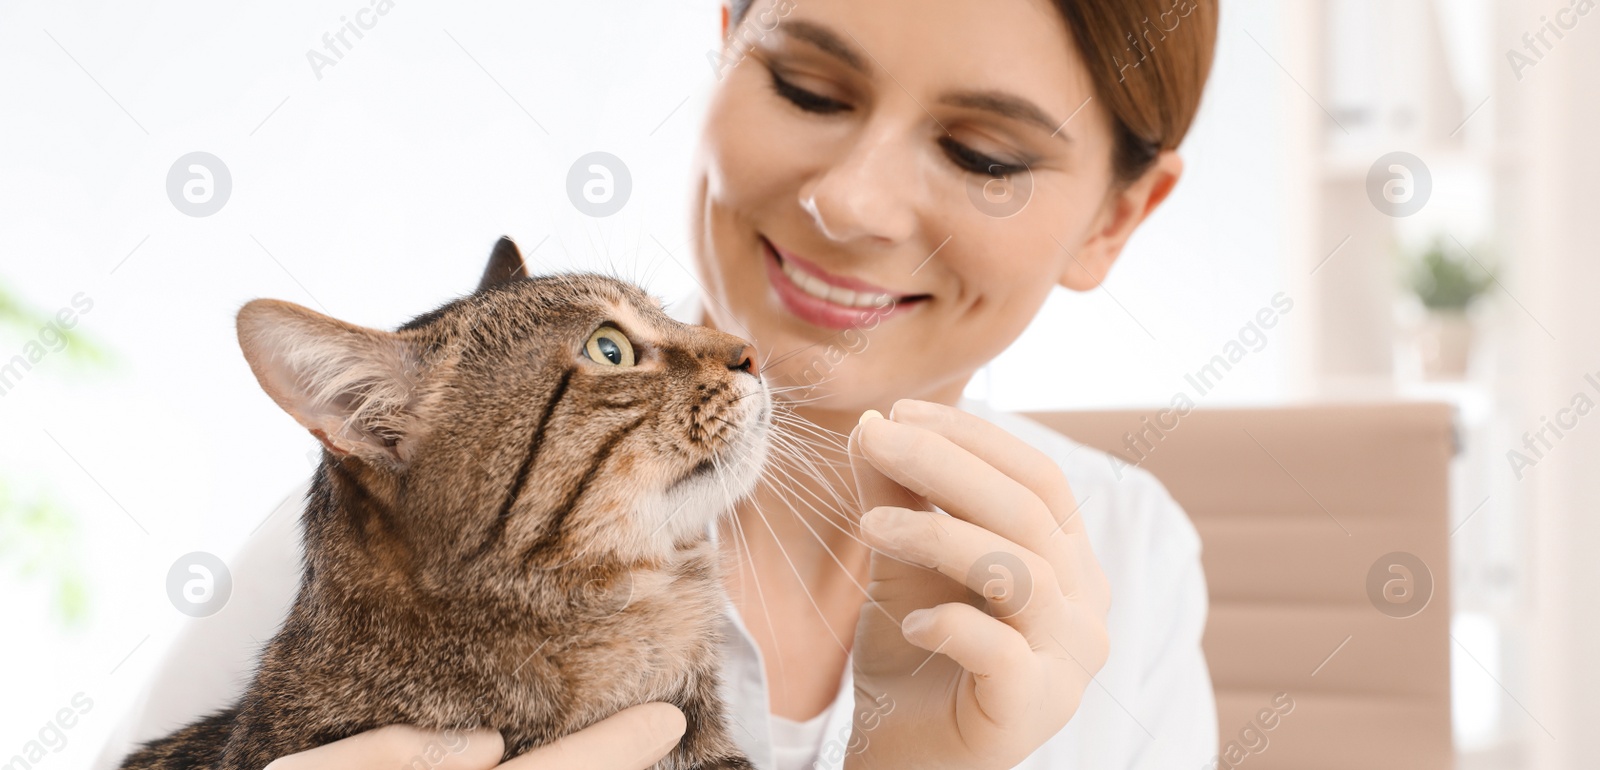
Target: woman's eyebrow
998 102
1008 106
827 40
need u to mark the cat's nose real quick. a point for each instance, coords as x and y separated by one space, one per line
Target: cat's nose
743 360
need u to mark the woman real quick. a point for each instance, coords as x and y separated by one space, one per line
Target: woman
886 193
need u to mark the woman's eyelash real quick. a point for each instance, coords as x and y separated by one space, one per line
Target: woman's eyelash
809 101
977 162
963 156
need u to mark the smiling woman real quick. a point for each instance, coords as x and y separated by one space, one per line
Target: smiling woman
885 193
841 155
920 176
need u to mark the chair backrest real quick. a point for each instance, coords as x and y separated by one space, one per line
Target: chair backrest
1325 537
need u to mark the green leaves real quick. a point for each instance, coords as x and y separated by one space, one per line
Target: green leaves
19 322
39 543
1445 282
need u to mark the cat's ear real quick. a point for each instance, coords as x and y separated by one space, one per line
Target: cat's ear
505 264
354 388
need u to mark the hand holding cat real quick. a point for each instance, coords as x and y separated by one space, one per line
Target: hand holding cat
632 739
942 682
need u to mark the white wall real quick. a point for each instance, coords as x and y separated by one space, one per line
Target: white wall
1549 202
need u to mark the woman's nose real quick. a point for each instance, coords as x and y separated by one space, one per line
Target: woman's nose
867 193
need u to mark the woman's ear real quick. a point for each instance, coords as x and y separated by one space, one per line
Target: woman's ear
725 13
1125 209
354 388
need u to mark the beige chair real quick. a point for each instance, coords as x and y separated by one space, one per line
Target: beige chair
1299 511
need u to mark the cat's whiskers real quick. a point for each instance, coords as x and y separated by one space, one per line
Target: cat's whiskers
795 447
805 589
781 389
798 425
848 573
810 459
797 351
793 419
805 494
755 576
809 400
827 512
797 491
772 391
846 527
808 453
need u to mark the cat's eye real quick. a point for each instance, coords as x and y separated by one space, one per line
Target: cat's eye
610 347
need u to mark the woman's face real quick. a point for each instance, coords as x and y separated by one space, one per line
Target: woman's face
891 189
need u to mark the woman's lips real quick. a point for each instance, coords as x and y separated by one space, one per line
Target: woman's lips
824 299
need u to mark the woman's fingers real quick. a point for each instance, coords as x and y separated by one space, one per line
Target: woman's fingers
1006 673
1067 542
962 483
632 739
1019 586
399 746
873 488
1010 455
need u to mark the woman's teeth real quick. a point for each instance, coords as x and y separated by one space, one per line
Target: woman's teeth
816 287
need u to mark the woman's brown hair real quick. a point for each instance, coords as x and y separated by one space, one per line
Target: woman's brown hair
1149 60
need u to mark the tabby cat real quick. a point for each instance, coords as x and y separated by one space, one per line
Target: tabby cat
510 525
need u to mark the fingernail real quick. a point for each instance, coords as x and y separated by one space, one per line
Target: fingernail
874 520
885 525
870 414
917 621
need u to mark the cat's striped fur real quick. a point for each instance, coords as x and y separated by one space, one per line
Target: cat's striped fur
503 533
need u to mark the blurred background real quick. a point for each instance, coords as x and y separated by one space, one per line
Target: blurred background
1415 175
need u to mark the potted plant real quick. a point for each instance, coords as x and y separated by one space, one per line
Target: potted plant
1447 285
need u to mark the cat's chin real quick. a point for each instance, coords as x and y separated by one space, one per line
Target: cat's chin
687 508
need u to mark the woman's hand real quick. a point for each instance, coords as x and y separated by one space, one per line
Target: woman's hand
632 739
984 627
